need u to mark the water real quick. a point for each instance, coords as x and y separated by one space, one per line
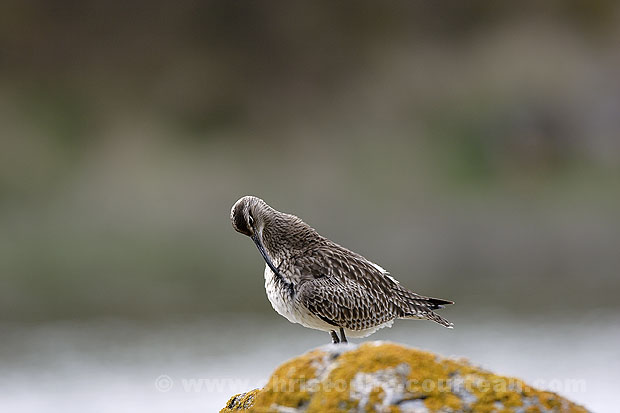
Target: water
194 365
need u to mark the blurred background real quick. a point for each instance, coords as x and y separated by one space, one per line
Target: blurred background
472 149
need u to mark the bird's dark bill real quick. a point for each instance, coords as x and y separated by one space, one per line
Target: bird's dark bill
263 252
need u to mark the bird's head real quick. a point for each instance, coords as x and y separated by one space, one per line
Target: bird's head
249 215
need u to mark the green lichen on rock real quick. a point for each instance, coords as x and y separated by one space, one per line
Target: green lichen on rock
387 377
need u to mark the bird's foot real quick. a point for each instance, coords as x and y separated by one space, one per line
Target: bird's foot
335 338
343 338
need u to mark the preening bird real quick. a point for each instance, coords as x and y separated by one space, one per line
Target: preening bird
319 284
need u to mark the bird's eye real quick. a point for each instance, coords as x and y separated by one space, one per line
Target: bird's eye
250 220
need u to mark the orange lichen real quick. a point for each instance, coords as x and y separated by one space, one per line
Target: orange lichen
289 385
240 402
375 398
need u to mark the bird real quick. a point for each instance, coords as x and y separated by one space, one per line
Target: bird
319 284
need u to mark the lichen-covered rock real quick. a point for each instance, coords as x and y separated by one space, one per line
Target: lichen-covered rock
387 377
240 402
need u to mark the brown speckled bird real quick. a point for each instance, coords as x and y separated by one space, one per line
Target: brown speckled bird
315 282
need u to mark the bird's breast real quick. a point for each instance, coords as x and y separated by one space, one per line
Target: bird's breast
280 295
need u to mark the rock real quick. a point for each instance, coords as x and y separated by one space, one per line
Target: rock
240 402
388 377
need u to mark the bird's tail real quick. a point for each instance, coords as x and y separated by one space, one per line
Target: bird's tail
420 307
432 316
438 319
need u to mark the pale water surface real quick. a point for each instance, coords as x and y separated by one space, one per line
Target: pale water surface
190 365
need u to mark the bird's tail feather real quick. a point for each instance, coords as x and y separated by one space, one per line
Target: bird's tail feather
438 303
418 306
432 316
438 319
408 297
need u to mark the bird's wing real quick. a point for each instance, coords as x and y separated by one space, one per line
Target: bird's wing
347 288
345 303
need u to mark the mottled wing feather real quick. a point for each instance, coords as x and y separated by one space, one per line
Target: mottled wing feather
347 290
345 303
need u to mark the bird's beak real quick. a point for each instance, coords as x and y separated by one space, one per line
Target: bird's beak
257 238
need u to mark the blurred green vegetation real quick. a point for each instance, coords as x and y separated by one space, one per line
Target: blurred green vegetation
473 151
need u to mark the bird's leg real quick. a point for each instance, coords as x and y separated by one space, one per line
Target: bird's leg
335 338
343 338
